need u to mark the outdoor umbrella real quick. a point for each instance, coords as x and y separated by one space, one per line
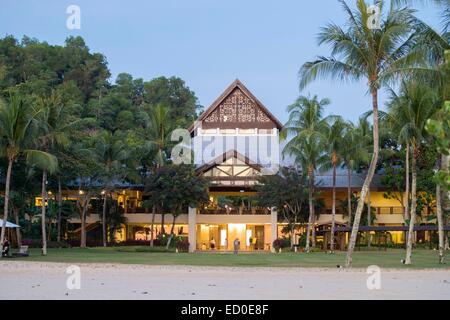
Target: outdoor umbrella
8 224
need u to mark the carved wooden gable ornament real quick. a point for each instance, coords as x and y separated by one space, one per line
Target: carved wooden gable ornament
237 108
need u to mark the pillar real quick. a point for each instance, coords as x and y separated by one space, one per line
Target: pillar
273 227
192 223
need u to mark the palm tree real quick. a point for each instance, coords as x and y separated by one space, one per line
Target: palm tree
115 217
55 122
308 126
439 128
335 132
111 152
394 126
17 131
410 111
378 55
158 130
310 156
364 134
354 152
52 138
444 6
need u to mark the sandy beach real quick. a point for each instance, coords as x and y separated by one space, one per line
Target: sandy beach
36 280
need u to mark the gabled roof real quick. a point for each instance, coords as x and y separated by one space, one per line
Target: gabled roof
224 157
235 85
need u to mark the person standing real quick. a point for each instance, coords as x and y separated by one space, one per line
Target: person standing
237 245
5 248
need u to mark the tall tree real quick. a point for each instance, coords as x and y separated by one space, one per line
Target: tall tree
169 193
111 151
307 126
287 192
55 121
157 135
333 141
173 93
378 55
354 152
17 132
412 108
439 128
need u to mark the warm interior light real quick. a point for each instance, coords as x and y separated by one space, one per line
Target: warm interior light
248 236
223 237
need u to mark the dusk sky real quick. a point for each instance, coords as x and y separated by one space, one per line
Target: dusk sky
208 43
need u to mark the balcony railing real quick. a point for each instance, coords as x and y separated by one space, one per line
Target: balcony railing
378 210
389 210
137 210
255 211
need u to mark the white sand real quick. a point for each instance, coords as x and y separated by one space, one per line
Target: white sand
35 280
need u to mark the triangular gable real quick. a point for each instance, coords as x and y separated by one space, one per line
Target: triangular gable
225 158
237 107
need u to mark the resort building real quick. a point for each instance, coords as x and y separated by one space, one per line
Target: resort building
236 140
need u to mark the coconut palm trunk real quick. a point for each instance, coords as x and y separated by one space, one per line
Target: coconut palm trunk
412 219
172 230
163 230
311 210
152 227
406 213
349 196
313 229
85 203
407 191
369 218
105 203
6 204
440 218
293 232
440 223
83 230
43 209
333 210
368 179
446 199
58 232
18 233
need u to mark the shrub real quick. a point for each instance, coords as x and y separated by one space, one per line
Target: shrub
56 244
37 243
162 238
281 243
143 249
182 244
32 243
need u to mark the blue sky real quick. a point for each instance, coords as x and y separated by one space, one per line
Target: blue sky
208 43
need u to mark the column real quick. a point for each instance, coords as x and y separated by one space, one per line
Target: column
273 227
192 222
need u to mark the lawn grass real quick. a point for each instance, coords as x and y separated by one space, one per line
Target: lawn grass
422 258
